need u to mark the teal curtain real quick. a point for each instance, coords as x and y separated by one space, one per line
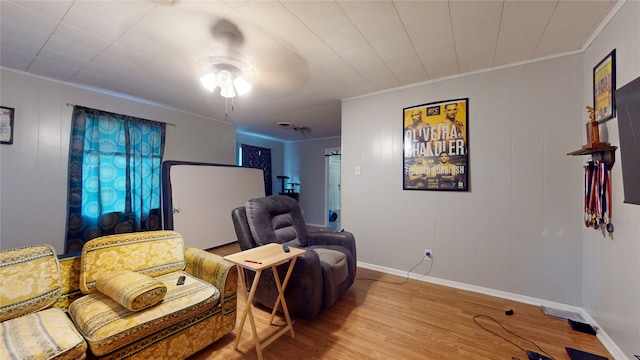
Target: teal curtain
114 175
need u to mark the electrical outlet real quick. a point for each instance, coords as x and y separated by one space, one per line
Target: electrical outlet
428 253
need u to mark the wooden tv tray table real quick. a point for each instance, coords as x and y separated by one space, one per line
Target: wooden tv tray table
258 259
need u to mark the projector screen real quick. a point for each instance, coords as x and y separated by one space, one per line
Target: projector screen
197 199
628 109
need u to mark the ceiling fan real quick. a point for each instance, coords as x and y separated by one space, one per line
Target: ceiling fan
225 67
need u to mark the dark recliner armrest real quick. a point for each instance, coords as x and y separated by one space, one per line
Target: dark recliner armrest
325 237
343 241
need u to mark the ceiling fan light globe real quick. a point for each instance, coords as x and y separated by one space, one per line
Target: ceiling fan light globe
209 81
242 85
224 79
227 91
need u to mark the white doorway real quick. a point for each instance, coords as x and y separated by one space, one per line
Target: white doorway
333 188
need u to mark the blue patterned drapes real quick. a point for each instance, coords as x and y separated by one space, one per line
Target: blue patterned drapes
114 175
259 158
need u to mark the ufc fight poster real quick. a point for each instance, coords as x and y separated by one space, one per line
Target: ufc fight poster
436 144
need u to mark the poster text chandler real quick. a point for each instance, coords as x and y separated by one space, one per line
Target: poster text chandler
436 146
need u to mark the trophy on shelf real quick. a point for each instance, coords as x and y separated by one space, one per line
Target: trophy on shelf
593 133
600 151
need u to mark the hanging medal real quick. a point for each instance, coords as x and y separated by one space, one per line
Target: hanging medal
607 200
588 178
600 171
586 196
593 207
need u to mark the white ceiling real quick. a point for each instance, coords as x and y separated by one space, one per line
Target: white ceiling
307 54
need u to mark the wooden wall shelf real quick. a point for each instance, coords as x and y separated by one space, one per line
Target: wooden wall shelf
605 153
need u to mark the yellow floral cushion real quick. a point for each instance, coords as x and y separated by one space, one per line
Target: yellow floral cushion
107 326
131 290
152 253
70 283
46 334
30 280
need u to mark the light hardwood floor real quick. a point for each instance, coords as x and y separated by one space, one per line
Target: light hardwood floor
415 320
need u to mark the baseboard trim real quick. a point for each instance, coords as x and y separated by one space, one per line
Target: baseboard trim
608 343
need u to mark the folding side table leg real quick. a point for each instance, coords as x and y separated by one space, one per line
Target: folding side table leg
247 310
280 300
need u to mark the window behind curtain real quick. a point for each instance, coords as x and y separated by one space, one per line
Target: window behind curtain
259 158
114 175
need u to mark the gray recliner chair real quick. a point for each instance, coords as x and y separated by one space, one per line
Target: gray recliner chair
320 276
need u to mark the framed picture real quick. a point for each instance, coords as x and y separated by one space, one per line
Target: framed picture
604 87
6 125
436 146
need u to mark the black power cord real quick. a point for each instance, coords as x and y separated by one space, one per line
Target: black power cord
508 331
406 279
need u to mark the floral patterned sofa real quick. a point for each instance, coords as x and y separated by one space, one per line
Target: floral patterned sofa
32 328
122 295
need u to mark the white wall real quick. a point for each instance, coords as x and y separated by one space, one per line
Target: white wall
611 270
305 163
33 182
518 229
